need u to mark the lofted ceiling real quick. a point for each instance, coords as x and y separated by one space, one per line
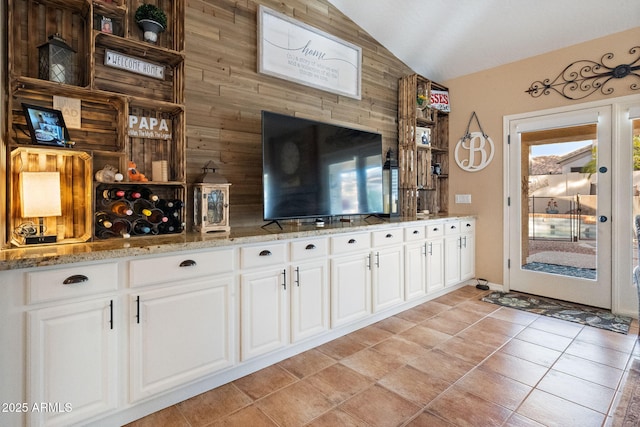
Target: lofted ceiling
444 39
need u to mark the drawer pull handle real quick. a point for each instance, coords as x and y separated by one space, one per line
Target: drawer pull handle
468 225
76 278
351 241
435 229
453 227
388 236
416 232
265 253
187 263
310 246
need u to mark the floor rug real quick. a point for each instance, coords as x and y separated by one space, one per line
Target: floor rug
585 315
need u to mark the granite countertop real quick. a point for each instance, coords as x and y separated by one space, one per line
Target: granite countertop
48 255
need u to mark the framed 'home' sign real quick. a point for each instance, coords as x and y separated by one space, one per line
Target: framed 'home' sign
297 52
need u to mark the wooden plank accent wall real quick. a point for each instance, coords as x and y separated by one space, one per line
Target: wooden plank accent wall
224 94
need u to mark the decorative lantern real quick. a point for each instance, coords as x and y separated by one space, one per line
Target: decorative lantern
57 61
390 186
211 201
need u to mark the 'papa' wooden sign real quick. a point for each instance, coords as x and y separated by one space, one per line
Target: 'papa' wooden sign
149 128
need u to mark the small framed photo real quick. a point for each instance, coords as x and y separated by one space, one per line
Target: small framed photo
46 125
423 136
106 26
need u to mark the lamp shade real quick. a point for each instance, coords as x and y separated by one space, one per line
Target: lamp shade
40 194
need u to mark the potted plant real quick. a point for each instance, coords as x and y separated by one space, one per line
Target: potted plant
152 20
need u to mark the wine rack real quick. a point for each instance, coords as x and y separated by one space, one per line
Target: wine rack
125 210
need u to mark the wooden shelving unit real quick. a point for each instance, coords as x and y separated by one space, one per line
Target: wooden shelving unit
421 187
108 96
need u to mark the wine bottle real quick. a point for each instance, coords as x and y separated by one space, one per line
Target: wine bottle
149 195
113 193
141 226
121 227
133 194
142 207
122 208
103 219
157 216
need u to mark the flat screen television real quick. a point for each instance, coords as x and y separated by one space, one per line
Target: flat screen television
314 169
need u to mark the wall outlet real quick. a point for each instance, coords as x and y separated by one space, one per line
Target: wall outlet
463 198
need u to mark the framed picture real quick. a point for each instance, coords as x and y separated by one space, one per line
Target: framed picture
106 26
423 136
46 125
297 52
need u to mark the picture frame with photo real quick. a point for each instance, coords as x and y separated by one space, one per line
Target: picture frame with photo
423 136
46 125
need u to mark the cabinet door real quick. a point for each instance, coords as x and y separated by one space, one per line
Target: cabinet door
263 323
181 333
388 278
467 257
350 288
452 260
435 265
72 361
309 300
415 262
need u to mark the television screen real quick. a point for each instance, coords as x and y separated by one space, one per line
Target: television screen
314 169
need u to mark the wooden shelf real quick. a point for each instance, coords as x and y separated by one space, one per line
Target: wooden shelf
419 188
108 95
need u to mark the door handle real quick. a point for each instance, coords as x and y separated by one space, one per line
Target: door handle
603 218
603 169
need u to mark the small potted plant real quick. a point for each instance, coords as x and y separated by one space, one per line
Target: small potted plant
152 20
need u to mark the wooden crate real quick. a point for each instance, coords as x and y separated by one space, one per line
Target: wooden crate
74 226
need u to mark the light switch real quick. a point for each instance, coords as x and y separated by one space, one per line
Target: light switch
463 198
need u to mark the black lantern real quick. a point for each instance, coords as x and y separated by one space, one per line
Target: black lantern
57 61
390 185
211 201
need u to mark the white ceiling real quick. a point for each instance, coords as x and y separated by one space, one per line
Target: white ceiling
443 39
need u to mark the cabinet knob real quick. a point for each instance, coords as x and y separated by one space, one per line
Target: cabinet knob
388 236
468 225
310 246
453 227
187 263
351 241
265 253
416 232
76 278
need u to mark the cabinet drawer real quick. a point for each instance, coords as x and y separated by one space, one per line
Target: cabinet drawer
349 243
452 227
263 255
79 280
412 234
173 268
435 230
468 226
386 237
309 248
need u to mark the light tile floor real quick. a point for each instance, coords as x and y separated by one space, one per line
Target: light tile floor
453 361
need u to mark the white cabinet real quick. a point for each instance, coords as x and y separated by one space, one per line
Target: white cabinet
387 287
415 262
350 278
459 251
309 288
435 257
184 328
72 347
467 250
181 333
264 323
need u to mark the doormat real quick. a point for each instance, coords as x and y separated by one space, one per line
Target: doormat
583 314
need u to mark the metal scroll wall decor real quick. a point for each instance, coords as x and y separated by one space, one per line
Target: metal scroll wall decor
584 77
